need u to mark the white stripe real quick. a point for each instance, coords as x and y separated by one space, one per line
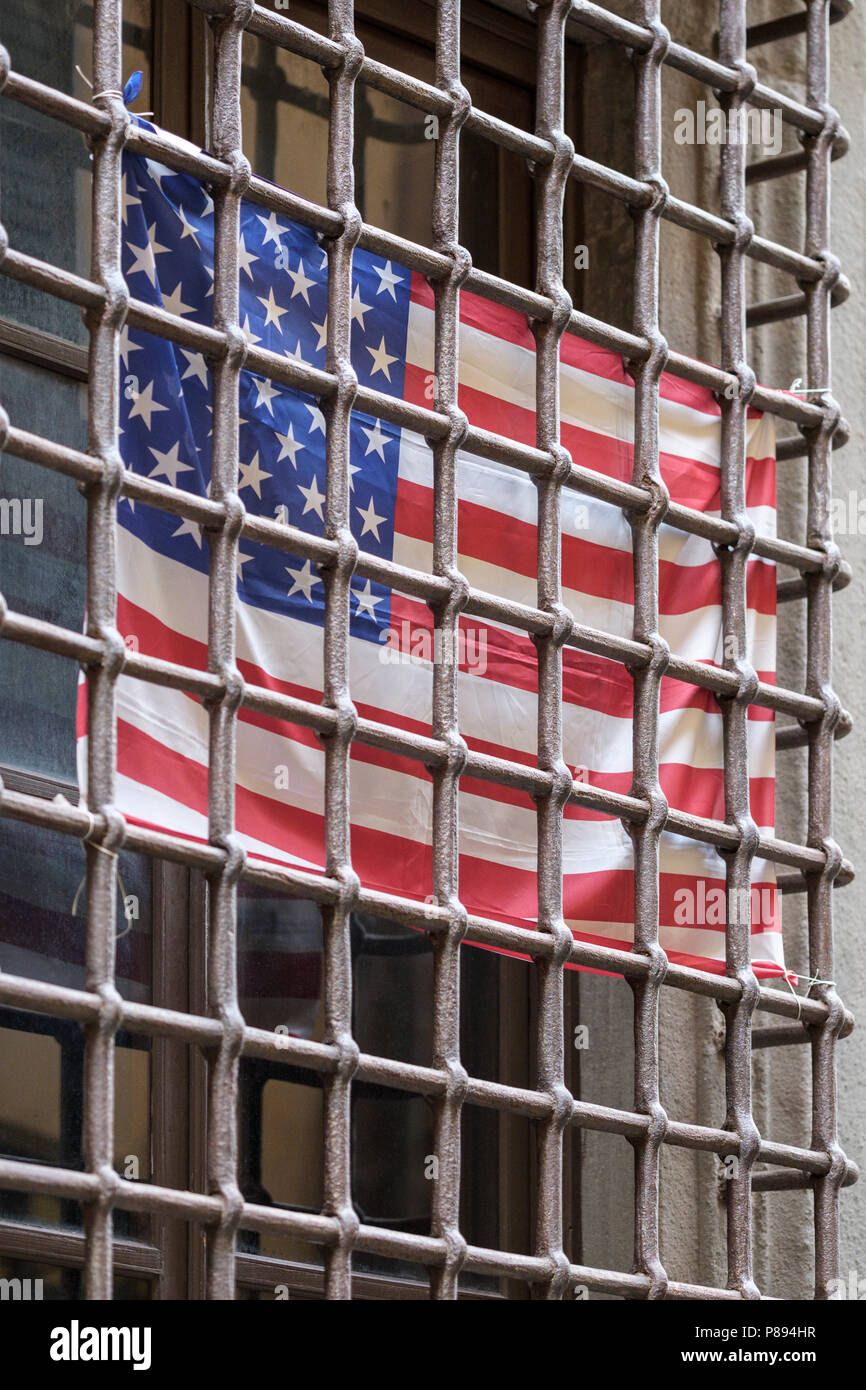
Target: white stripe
389 801
694 636
506 371
505 490
292 650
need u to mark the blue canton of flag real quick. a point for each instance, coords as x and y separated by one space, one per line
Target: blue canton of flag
166 416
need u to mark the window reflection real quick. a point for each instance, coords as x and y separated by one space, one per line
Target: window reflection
47 42
42 937
282 1148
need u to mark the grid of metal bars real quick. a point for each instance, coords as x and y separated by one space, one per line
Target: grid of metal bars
818 864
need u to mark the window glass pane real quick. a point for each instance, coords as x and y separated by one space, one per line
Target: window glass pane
43 907
280 975
47 42
42 572
285 118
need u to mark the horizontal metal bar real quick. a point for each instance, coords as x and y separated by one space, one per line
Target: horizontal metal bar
177 153
76 821
785 26
793 1180
323 1230
485 444
792 306
322 1059
73 288
88 652
780 1036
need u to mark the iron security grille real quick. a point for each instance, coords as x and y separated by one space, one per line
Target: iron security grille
817 865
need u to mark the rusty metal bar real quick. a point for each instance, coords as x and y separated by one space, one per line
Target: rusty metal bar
337 576
734 561
819 655
163 146
222 1116
445 1212
551 182
648 677
104 325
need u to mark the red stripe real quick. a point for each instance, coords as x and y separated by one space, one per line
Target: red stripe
591 682
585 677
511 325
587 567
392 863
691 482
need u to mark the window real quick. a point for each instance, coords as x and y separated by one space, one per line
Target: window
304 1124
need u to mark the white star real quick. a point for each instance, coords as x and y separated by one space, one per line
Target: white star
304 580
297 355
273 312
240 562
366 600
189 528
314 499
387 279
210 271
145 256
381 359
248 332
128 200
318 419
324 265
253 476
372 522
207 211
188 228
358 309
144 405
302 282
273 229
245 257
126 345
322 330
267 391
169 464
288 446
197 366
378 439
173 303
158 172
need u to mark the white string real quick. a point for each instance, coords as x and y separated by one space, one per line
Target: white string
809 980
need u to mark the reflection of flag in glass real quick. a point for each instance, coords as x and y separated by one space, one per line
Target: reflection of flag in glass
166 421
279 961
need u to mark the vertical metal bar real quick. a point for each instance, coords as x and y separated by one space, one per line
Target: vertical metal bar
734 562
819 634
222 1121
337 579
102 414
647 679
445 1211
551 182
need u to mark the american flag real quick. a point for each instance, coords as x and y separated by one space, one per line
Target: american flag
163 562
